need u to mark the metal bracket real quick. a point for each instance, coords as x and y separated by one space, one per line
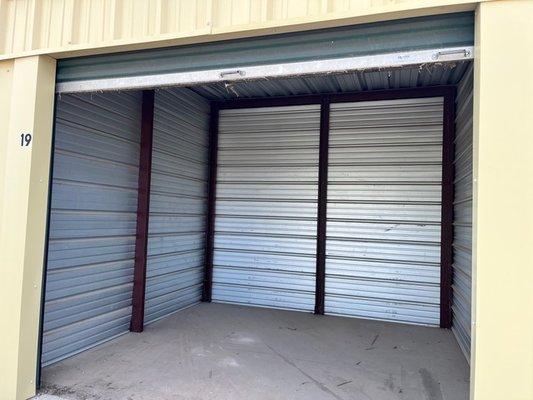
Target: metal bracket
448 55
237 72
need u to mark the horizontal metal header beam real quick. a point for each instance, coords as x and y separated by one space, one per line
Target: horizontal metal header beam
374 95
388 44
243 73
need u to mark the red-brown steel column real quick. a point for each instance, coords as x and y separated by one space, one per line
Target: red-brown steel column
143 209
211 198
320 279
446 238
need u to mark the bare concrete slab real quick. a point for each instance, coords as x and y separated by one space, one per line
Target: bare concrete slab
216 351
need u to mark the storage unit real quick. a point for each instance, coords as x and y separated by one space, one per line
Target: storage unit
383 219
325 190
248 174
78 240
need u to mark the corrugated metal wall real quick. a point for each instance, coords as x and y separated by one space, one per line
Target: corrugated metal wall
384 78
266 207
93 220
384 212
462 243
178 202
383 222
47 25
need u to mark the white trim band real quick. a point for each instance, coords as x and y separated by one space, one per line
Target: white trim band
339 65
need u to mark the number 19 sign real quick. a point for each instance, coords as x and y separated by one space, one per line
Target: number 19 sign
25 139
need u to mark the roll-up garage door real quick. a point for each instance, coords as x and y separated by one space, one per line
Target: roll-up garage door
178 202
296 52
384 210
93 220
266 207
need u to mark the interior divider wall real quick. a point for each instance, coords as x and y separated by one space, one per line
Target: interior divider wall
444 209
178 202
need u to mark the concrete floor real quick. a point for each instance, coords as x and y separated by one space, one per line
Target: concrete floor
216 351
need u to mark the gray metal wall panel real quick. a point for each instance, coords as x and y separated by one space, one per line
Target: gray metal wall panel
266 207
462 243
383 218
178 203
93 221
449 73
438 31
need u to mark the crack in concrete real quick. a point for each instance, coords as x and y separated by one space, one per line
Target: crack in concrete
319 384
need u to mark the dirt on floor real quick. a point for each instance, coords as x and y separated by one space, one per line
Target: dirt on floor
223 352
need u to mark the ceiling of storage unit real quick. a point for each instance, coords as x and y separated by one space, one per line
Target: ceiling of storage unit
406 77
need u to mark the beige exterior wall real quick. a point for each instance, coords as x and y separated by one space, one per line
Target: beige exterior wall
73 27
6 81
502 356
26 100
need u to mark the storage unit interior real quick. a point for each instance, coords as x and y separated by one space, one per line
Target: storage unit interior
314 189
308 194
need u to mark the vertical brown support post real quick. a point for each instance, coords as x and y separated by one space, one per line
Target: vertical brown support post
211 198
320 289
143 209
446 238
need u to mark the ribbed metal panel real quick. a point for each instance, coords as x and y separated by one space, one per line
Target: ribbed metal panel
383 218
93 219
439 31
386 78
462 242
52 26
266 207
178 202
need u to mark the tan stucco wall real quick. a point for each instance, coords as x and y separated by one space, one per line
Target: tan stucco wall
26 100
75 27
502 356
